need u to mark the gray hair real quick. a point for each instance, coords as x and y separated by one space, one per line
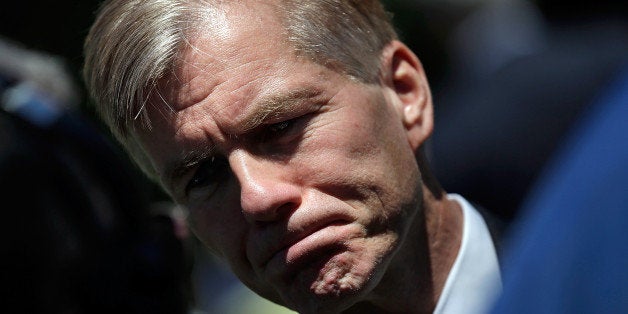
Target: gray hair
134 43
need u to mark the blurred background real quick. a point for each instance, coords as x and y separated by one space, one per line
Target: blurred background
510 80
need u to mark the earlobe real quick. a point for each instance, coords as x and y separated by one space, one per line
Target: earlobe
408 82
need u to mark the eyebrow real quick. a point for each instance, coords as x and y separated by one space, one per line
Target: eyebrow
178 168
276 106
268 108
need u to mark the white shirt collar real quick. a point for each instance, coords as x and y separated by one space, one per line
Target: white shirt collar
474 280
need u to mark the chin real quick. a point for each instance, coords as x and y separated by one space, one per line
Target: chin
338 284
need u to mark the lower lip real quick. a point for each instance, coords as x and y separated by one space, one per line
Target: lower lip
309 251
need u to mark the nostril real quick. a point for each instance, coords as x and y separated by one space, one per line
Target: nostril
286 209
264 215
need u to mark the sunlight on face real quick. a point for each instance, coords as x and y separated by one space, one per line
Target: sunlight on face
300 178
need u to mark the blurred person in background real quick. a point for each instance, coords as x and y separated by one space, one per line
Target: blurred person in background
515 76
79 234
568 251
534 107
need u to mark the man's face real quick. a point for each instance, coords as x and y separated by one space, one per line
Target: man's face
300 178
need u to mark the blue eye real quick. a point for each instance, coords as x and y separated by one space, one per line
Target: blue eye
208 176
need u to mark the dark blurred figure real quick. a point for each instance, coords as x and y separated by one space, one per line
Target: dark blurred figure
522 73
77 228
569 252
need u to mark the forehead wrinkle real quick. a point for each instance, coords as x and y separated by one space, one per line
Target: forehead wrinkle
202 75
193 82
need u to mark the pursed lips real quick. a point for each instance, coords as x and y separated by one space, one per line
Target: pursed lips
292 246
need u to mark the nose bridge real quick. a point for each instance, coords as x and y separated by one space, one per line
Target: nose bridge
265 193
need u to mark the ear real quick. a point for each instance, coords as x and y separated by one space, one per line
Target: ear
403 75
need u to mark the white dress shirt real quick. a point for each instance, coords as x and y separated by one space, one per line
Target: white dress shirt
474 280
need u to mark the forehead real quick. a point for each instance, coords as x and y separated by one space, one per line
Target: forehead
230 39
237 58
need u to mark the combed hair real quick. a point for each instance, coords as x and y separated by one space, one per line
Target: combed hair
134 43
130 46
343 35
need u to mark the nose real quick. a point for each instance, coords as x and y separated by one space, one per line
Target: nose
266 193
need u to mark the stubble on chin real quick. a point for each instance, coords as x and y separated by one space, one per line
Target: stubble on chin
344 279
340 275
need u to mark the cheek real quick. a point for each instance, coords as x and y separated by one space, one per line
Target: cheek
219 224
366 158
368 142
218 234
362 170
